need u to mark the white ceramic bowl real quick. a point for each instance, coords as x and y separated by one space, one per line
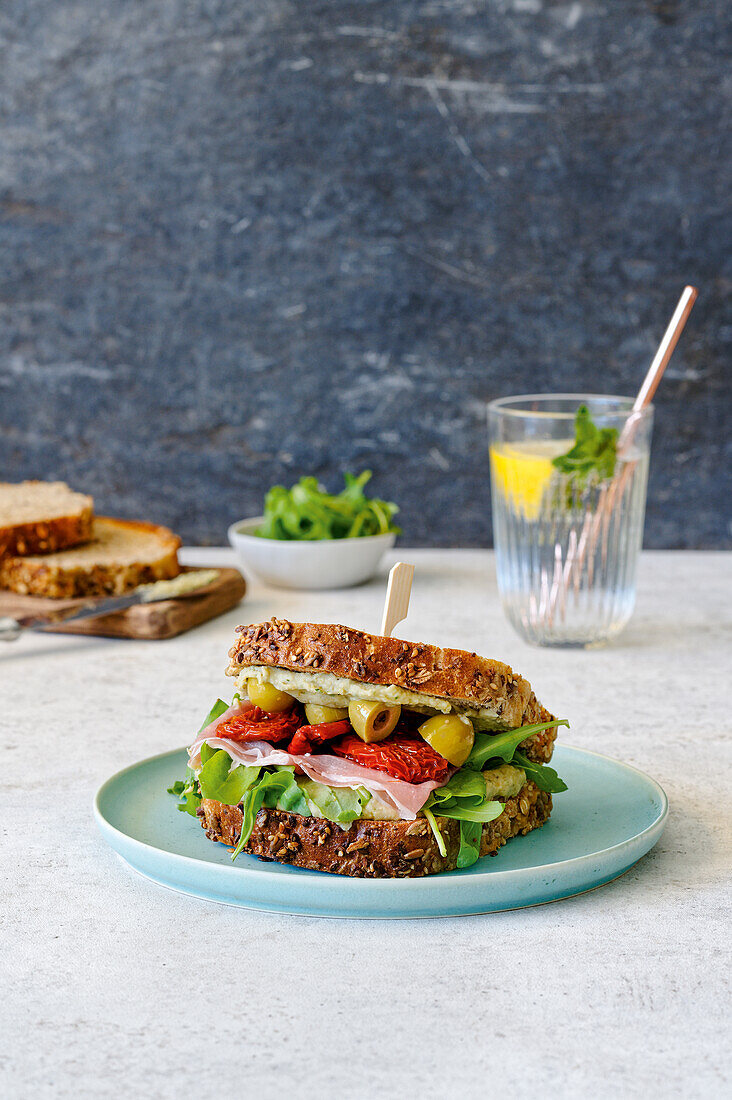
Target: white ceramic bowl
322 563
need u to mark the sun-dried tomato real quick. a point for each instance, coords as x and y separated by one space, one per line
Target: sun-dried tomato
307 736
404 758
258 725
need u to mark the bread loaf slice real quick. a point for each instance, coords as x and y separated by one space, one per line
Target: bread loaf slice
370 849
39 517
120 555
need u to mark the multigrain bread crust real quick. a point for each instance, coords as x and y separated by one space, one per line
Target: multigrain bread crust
121 555
453 674
370 849
22 532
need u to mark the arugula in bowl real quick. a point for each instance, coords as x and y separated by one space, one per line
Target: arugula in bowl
306 512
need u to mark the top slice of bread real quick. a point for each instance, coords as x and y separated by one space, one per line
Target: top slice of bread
38 517
120 555
452 674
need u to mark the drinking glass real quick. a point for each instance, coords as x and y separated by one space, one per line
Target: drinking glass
566 543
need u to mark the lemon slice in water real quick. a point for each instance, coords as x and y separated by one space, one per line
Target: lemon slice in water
522 474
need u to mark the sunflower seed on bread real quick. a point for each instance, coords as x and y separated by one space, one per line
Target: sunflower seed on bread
370 849
504 699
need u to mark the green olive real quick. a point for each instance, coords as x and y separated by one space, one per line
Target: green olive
316 714
268 697
373 721
450 735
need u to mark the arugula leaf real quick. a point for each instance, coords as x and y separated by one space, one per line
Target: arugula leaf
435 830
463 784
502 746
291 798
463 798
206 752
307 511
470 835
269 790
594 449
340 804
187 792
216 710
545 777
220 782
487 811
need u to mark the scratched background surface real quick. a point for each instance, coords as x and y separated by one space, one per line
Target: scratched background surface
242 241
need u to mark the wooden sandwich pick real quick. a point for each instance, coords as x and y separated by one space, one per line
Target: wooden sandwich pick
398 591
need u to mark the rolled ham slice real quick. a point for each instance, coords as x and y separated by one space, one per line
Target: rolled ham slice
406 798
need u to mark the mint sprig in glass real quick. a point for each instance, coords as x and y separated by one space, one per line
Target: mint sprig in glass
595 449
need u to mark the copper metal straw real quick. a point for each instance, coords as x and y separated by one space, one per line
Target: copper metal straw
571 571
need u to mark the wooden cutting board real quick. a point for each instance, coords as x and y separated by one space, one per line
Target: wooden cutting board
164 619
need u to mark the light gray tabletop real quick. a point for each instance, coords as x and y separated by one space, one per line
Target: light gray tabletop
115 986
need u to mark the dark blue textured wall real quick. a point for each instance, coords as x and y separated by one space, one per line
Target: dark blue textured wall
242 241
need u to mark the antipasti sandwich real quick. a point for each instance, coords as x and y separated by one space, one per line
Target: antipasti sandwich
362 755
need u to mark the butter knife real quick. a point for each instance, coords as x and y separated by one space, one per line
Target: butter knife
11 629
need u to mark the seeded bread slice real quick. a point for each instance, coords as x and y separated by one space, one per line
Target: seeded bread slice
370 849
42 516
452 674
120 555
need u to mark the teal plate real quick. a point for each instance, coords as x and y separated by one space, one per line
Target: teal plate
611 815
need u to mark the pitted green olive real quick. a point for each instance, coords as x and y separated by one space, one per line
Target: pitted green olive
373 721
450 735
316 714
268 697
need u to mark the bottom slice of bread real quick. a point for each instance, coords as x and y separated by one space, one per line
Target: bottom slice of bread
121 554
370 849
